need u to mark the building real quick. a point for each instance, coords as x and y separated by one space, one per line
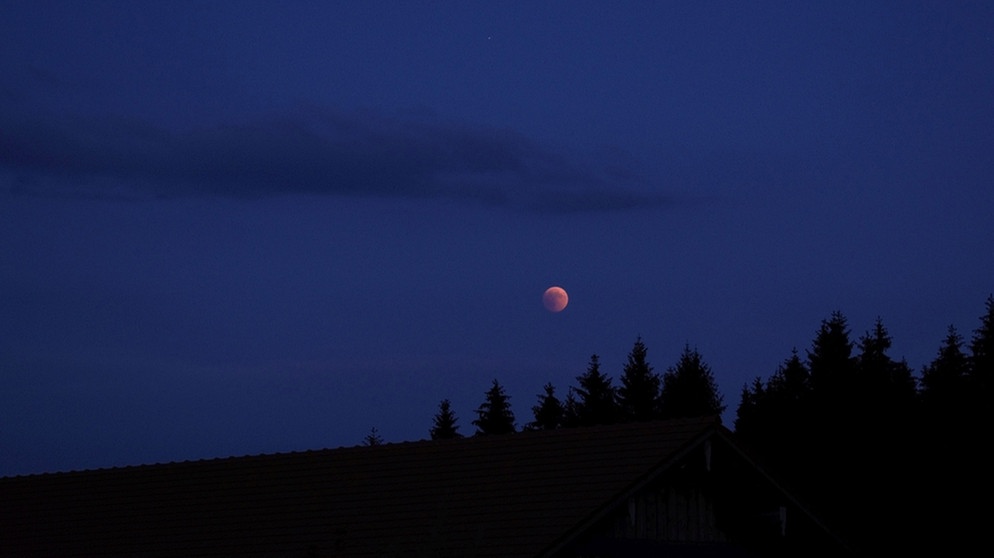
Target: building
668 488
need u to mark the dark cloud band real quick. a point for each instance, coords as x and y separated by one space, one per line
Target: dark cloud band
317 152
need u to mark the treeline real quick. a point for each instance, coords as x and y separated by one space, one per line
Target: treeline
899 460
687 389
895 460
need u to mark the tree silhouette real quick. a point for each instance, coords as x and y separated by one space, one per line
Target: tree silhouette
571 410
952 422
788 414
598 403
752 415
883 409
689 389
549 411
832 412
373 438
639 390
444 426
791 387
848 429
772 417
494 416
981 370
975 471
834 404
944 381
886 391
873 363
831 363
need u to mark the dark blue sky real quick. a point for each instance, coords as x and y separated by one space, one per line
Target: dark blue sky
245 227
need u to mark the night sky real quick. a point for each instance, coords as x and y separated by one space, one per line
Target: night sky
232 228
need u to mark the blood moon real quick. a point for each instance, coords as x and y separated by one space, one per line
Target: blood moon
555 299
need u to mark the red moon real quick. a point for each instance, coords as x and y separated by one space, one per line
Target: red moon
555 299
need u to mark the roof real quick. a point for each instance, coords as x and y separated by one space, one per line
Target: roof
512 495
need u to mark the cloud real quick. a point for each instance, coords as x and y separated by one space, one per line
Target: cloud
315 152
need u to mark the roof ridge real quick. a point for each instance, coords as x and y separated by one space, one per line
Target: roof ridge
475 439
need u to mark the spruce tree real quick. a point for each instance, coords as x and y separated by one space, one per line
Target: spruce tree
571 410
873 362
639 390
887 387
791 386
689 388
981 370
944 381
445 426
885 435
952 461
832 365
973 463
494 416
598 403
833 419
780 416
749 424
549 411
373 438
785 401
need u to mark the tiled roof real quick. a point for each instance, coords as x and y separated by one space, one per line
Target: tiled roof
511 495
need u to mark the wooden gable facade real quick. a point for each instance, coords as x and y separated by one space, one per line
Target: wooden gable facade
709 500
667 488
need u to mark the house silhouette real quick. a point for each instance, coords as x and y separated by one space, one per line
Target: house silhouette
663 488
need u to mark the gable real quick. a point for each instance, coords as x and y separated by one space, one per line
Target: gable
710 501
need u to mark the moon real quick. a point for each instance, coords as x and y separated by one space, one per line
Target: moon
555 299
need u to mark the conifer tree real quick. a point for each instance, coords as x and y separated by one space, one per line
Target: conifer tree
549 411
950 428
445 426
833 417
887 387
944 380
598 403
639 390
831 363
973 463
749 423
884 436
776 421
494 416
689 388
981 371
873 362
571 410
791 386
785 399
373 438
